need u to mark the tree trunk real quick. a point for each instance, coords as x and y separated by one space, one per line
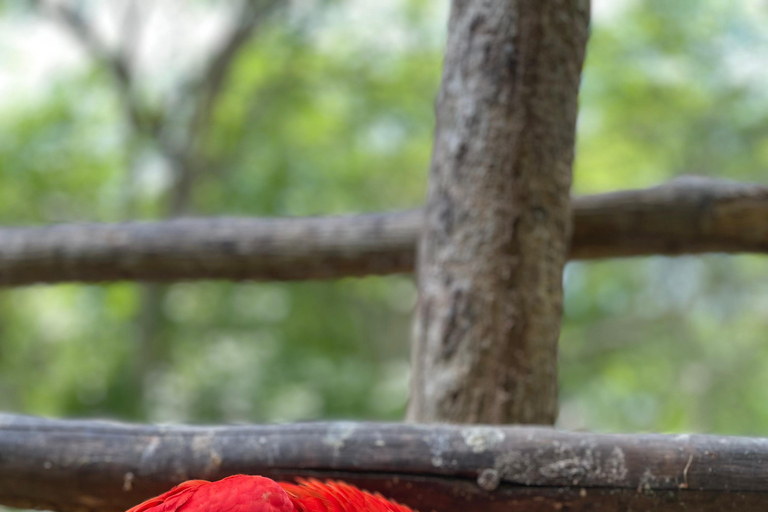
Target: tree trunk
498 214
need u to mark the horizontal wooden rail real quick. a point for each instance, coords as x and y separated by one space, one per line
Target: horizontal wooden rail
103 466
685 216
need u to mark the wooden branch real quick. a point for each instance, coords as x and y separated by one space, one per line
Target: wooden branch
103 466
498 216
688 215
685 216
226 248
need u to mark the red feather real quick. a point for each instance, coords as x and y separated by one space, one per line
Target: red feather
175 498
239 493
243 493
314 496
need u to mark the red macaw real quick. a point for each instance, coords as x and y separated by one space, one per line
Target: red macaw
244 493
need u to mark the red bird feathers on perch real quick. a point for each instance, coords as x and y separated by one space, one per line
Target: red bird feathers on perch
244 493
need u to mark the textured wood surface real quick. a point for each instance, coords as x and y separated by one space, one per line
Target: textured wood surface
685 216
498 216
90 465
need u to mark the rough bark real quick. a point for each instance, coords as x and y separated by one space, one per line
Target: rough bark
686 216
105 466
224 248
498 213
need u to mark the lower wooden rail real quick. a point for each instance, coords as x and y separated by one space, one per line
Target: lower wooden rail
68 465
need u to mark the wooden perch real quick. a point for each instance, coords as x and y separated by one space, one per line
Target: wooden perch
685 216
219 248
103 466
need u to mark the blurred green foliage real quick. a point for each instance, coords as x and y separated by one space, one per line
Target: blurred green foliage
318 119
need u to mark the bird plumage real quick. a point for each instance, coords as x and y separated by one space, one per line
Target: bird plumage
245 493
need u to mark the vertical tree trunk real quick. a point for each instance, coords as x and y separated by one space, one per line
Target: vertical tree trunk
498 213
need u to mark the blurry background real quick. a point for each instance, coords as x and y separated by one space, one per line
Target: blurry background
327 109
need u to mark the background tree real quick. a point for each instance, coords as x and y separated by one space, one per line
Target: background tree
319 115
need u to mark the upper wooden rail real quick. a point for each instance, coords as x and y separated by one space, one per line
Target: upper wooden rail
685 216
104 466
